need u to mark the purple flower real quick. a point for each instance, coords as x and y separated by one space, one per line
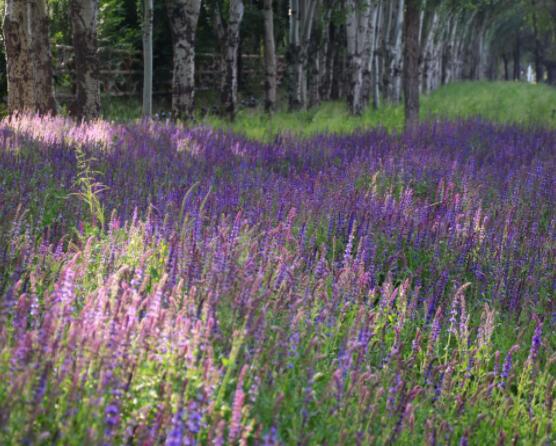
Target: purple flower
112 415
507 367
176 434
535 343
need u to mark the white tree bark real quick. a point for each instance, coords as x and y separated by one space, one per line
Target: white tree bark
428 53
357 25
396 66
84 14
377 59
183 16
369 50
386 48
229 94
450 50
148 58
301 15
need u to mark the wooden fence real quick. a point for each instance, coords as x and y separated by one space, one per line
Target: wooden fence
121 72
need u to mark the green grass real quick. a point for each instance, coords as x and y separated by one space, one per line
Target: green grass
504 102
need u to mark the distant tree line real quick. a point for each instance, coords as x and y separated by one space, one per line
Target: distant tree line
363 51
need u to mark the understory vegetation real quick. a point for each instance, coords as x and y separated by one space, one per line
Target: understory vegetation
501 102
171 285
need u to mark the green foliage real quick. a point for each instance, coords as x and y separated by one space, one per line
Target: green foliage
89 188
118 23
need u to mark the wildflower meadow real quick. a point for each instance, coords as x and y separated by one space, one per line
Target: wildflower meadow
164 285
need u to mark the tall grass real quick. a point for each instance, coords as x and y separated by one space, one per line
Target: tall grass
502 102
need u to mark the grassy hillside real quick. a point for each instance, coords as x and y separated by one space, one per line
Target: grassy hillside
527 104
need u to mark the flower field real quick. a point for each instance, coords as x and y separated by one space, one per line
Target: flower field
163 285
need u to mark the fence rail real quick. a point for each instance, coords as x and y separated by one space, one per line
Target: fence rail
121 71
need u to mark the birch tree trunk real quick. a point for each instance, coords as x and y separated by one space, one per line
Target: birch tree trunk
397 60
183 16
448 69
269 57
369 53
229 93
377 75
28 59
357 24
148 58
386 49
329 55
411 64
83 14
301 21
429 53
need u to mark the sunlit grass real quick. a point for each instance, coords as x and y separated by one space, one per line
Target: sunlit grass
504 102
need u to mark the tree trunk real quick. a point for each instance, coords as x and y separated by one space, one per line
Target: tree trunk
18 49
538 51
229 93
386 49
28 59
506 69
183 16
517 57
397 60
451 50
428 53
296 100
369 54
83 14
328 69
269 57
148 58
411 64
220 31
357 24
314 71
324 48
301 23
376 56
42 59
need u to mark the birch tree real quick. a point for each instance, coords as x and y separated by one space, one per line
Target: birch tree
84 15
28 58
229 93
411 64
301 14
314 57
376 72
369 50
183 16
227 35
397 59
358 14
269 57
148 58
